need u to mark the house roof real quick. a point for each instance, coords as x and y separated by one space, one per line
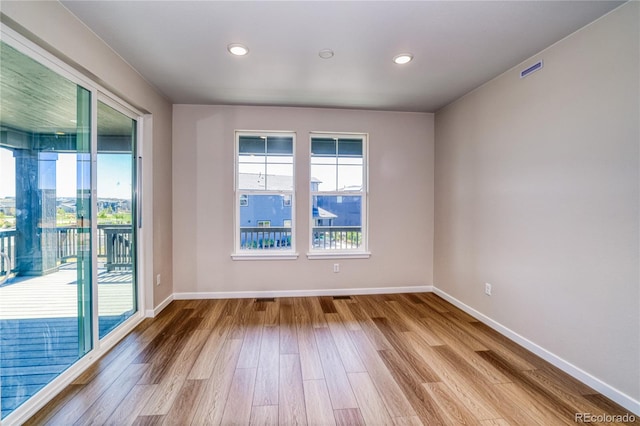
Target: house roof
257 181
323 214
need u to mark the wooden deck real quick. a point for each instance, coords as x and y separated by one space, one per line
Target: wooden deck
405 359
39 327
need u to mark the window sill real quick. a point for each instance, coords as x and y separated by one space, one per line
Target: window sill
264 256
339 255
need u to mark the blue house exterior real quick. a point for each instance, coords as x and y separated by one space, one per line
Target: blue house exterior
265 220
265 211
275 211
347 210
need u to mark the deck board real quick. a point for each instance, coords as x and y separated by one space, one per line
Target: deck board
39 327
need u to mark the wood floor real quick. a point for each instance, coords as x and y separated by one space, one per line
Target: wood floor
404 359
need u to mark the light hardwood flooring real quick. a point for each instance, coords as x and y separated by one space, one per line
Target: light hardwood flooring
404 359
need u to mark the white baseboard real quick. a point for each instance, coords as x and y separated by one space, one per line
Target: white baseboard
151 313
301 293
598 385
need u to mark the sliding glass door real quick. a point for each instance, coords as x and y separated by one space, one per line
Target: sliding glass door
116 217
67 223
45 230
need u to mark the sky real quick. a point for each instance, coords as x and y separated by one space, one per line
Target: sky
113 180
349 170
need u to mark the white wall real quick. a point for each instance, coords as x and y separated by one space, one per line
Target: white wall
401 200
53 27
537 193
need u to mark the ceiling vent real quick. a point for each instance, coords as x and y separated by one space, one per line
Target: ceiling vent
533 68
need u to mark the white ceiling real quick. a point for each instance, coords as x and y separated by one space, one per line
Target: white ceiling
181 47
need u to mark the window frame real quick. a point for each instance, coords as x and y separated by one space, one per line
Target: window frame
252 254
362 252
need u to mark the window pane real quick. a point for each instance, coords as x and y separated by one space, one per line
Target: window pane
279 171
273 159
252 176
337 222
350 147
265 163
252 159
117 295
45 226
324 160
265 222
323 147
323 178
280 145
251 145
349 178
279 177
354 161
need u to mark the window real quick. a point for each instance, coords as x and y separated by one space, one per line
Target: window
264 190
338 194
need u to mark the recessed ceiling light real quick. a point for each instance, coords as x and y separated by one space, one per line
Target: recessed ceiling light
326 53
238 49
403 58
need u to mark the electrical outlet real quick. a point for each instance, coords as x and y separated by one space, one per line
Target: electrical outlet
336 267
158 279
487 289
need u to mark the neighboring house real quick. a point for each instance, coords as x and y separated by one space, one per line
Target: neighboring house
260 211
265 211
8 206
342 210
322 217
67 207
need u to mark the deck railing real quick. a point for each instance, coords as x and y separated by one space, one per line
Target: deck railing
265 238
324 237
118 245
337 237
8 249
114 243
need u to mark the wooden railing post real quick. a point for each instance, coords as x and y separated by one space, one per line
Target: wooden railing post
8 247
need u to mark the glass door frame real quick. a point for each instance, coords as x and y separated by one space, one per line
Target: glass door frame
144 242
116 334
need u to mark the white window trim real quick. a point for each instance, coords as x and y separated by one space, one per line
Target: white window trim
344 254
363 251
265 256
238 254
